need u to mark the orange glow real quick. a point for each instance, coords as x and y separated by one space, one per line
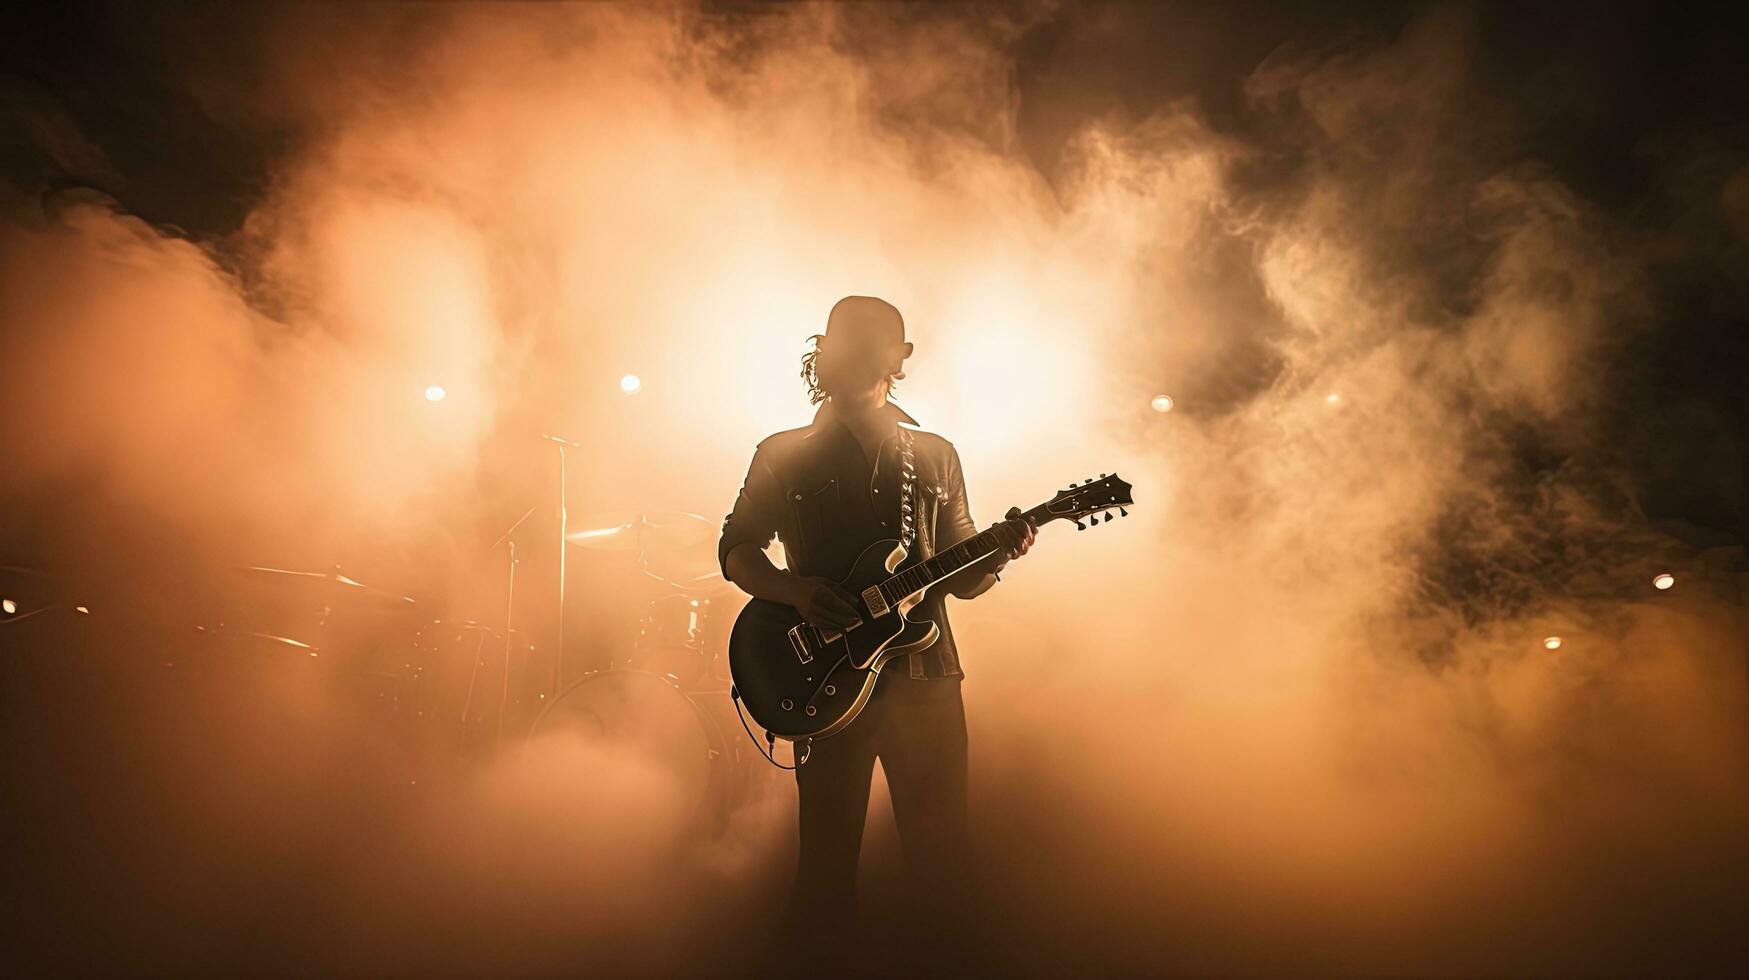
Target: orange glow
1295 693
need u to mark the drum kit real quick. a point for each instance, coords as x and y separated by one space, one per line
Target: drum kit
667 703
455 690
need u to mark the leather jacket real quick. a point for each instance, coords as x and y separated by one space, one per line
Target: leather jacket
813 488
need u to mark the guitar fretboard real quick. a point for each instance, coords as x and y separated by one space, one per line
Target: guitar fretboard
926 573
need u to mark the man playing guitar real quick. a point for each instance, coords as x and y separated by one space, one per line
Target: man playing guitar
827 491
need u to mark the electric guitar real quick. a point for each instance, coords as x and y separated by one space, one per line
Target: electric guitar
800 682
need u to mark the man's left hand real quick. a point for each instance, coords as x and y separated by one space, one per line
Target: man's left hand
1017 536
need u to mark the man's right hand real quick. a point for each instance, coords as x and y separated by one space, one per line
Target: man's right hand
825 604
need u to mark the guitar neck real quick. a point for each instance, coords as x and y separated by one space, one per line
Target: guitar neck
952 560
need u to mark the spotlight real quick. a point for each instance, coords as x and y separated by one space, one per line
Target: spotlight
435 393
1552 642
8 606
1663 580
1162 403
630 384
1332 398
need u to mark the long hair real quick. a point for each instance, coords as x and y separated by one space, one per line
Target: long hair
811 372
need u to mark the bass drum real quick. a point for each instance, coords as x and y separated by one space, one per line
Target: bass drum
645 719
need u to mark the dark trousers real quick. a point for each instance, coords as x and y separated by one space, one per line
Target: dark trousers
918 730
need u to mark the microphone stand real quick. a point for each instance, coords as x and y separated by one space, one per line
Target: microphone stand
559 654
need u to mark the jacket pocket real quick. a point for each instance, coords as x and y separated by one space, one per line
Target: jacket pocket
811 507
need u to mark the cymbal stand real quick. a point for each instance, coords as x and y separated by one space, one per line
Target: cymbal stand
509 624
559 652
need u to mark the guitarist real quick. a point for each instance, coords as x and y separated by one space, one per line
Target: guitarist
827 491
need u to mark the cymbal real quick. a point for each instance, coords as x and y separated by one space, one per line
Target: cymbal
262 641
330 585
641 531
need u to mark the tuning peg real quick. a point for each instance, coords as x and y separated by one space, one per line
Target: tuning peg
1102 476
1094 519
1080 526
1108 517
1122 513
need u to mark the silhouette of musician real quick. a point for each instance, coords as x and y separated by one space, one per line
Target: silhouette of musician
828 490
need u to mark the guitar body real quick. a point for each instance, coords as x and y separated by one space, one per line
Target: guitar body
798 683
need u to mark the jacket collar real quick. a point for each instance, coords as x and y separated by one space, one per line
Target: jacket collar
829 413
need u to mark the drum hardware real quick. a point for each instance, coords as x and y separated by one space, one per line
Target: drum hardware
442 690
348 626
665 700
559 650
641 531
671 639
239 652
265 640
330 588
510 611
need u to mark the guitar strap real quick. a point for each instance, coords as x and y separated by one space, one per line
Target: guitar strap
908 522
907 490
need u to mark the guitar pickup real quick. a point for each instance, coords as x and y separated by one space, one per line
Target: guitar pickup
801 645
798 639
877 603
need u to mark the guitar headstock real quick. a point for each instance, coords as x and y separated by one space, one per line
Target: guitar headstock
1088 499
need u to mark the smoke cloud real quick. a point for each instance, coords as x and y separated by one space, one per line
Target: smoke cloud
1296 713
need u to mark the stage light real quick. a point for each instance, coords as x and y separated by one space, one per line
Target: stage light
1552 642
8 606
435 393
1663 580
630 384
1162 403
1332 398
81 610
